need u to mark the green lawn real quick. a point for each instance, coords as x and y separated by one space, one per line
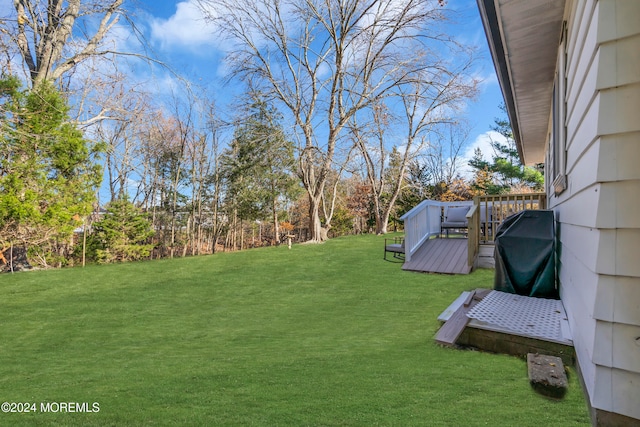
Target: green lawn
317 335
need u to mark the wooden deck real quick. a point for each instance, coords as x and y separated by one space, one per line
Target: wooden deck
442 255
508 323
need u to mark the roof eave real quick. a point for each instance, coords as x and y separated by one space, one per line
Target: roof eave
491 24
523 38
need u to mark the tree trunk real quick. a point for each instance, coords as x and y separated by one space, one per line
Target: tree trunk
381 226
317 234
382 222
234 238
189 239
276 227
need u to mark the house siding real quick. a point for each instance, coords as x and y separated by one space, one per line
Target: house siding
599 212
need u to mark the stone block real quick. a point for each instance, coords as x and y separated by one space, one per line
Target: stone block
547 375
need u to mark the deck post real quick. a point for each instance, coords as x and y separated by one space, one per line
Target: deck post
473 232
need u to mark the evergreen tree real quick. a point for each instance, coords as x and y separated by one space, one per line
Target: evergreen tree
48 171
121 235
483 177
506 172
258 166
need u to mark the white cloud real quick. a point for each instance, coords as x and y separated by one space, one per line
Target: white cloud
186 28
483 142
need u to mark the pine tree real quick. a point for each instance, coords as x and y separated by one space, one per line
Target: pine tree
258 166
48 171
506 172
121 235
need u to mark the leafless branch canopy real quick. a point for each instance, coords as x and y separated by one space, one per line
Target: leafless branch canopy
49 39
327 60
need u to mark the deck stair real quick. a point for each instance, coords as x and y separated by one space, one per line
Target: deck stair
451 330
507 323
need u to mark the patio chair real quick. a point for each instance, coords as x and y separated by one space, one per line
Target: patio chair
394 246
455 219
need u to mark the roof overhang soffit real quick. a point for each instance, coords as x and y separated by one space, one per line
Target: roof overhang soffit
523 37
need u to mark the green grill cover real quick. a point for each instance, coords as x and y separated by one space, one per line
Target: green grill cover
525 255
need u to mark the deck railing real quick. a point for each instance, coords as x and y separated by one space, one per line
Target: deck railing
423 222
420 223
493 210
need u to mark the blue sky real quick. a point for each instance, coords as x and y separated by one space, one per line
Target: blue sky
186 43
180 37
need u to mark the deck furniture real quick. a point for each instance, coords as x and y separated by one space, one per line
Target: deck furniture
455 217
394 246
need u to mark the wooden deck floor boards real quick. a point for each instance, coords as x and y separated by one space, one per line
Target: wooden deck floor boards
446 255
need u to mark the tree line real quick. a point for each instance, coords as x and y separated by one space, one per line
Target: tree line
350 116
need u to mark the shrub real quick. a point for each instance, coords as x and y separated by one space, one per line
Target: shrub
121 235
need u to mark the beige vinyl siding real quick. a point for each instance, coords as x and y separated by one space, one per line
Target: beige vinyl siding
618 298
618 255
578 284
576 206
599 212
618 207
581 70
618 157
619 108
622 339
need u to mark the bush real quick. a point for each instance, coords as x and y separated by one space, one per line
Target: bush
121 235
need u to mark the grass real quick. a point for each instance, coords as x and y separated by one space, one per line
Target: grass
318 335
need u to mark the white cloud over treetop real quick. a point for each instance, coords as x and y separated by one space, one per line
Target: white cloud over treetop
483 142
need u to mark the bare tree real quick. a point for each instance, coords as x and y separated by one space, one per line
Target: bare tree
442 159
213 184
45 33
199 165
429 102
324 60
122 131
